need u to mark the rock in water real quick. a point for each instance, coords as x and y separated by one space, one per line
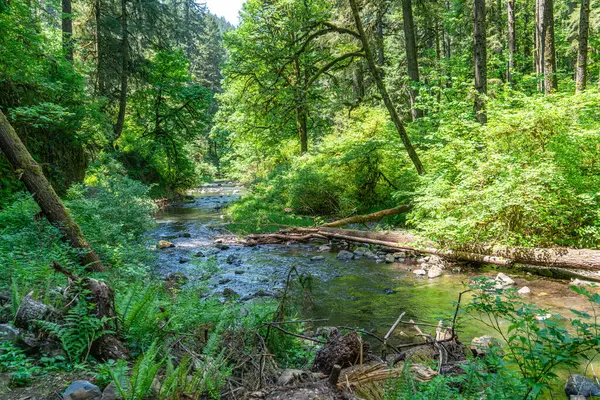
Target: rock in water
343 350
345 255
317 258
578 385
435 272
82 390
389 258
524 290
163 244
503 281
419 272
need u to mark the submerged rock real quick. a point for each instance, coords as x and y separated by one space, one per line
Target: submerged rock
228 292
435 272
221 246
317 258
345 255
163 244
503 281
183 260
224 281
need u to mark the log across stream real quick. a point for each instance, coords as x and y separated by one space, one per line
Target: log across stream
359 292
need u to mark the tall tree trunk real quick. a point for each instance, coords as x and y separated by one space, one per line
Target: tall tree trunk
479 34
358 83
100 67
512 40
124 71
379 27
539 43
301 123
382 89
411 56
36 183
67 29
582 52
550 78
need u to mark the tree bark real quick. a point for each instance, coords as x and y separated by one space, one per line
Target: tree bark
411 57
582 51
301 122
550 78
67 29
379 28
512 40
124 71
36 183
359 219
376 73
480 47
100 67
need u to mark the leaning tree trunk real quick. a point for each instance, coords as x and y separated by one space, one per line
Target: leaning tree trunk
479 35
411 56
512 40
376 73
52 207
67 29
582 51
550 78
124 70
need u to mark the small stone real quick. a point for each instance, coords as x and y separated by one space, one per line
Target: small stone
317 258
199 254
183 260
82 390
388 291
400 259
221 246
163 244
542 294
233 259
345 255
419 272
435 272
324 248
389 258
503 281
239 271
369 254
8 333
524 290
360 251
400 254
228 292
185 235
578 385
224 281
544 317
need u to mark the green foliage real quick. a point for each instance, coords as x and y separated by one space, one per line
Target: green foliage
79 329
15 362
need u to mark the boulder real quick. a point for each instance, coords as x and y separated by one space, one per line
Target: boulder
389 258
345 255
503 281
420 272
111 392
369 254
360 251
228 292
435 272
82 390
578 385
524 291
163 244
400 254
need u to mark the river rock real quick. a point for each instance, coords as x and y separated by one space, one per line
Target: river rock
163 244
419 272
183 260
389 258
579 282
199 254
524 290
345 255
435 272
360 251
503 281
8 333
228 292
324 248
82 390
224 281
317 258
185 235
221 246
369 254
239 272
578 385
400 254
480 346
233 260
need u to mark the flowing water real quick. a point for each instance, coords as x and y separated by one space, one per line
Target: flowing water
360 293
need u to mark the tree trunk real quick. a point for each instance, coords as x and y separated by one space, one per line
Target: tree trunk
359 219
480 47
301 122
358 83
67 29
512 40
100 67
411 57
539 44
550 78
380 49
581 259
383 91
32 176
124 71
582 52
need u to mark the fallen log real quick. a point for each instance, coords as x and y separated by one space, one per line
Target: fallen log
578 259
359 219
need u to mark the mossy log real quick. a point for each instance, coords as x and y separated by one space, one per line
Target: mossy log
30 172
360 219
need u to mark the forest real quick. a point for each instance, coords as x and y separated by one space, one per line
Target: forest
325 199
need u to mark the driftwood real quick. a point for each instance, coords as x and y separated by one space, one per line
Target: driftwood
579 259
359 219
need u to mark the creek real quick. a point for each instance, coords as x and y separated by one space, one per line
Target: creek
360 293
